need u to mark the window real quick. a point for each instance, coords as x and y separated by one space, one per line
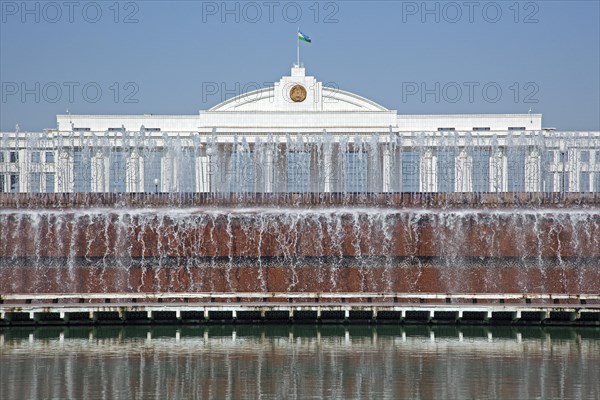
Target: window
410 171
2 188
1 156
117 171
584 156
548 182
50 179
355 176
298 172
564 156
446 166
115 129
36 157
14 156
152 170
547 174
187 171
516 170
446 129
597 156
244 175
35 182
584 181
481 170
597 182
81 129
516 128
50 157
481 129
145 129
82 171
14 183
563 181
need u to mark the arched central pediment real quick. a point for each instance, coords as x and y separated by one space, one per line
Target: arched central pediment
315 98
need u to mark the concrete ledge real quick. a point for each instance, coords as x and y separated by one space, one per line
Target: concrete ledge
100 313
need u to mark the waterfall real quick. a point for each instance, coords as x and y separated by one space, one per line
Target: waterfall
279 249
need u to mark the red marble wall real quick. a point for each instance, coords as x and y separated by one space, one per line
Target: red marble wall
300 248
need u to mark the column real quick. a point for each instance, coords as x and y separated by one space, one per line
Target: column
134 177
99 173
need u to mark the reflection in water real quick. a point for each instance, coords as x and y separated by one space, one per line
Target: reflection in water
281 361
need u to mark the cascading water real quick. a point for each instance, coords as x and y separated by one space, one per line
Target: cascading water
417 212
291 249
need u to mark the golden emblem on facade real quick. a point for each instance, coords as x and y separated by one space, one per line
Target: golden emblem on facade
298 93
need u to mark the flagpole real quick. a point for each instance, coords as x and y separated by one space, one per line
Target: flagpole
298 49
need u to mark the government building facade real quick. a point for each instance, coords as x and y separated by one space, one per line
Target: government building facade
299 136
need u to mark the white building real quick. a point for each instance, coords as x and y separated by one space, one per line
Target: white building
299 136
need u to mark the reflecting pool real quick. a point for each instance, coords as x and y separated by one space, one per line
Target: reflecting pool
299 361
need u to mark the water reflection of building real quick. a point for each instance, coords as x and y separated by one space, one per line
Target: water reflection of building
300 362
300 136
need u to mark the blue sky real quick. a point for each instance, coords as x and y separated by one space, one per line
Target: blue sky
415 57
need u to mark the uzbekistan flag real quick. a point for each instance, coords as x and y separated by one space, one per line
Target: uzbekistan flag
302 36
